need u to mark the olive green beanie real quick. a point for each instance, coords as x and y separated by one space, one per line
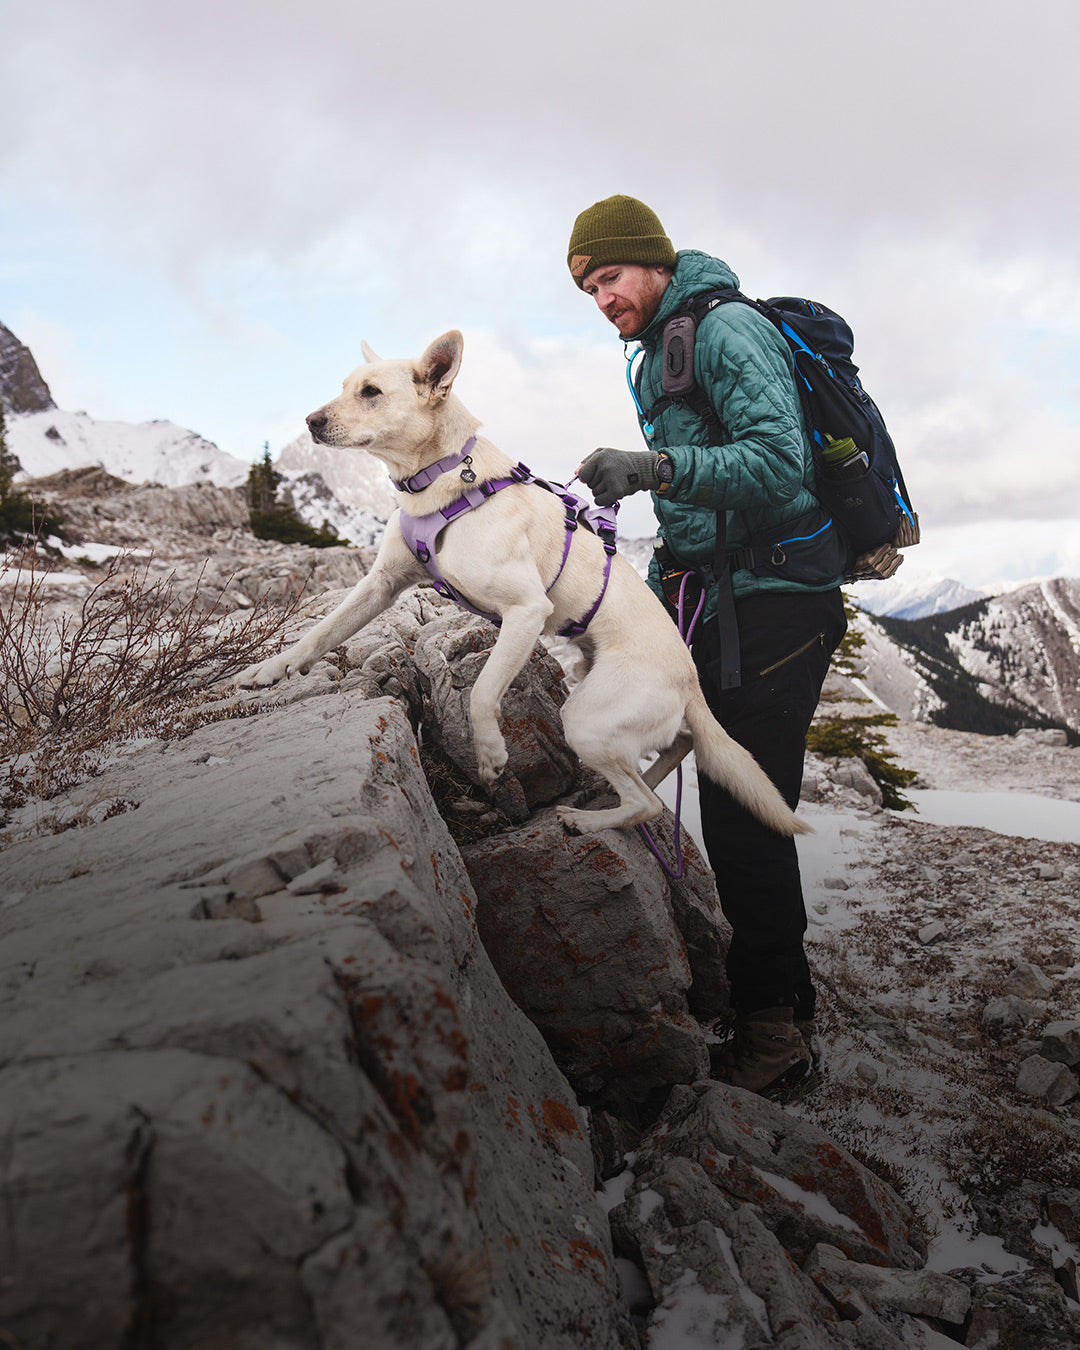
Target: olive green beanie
617 230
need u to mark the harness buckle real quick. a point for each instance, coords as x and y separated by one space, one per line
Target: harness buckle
520 473
423 553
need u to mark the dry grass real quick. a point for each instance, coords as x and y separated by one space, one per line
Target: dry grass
466 808
132 660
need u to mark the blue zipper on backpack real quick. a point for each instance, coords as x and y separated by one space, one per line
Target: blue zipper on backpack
803 538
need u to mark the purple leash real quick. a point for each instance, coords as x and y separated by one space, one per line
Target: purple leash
687 637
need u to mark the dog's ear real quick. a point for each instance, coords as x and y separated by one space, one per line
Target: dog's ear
369 354
439 365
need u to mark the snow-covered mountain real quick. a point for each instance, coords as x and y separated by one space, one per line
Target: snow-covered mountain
47 440
355 478
991 666
912 594
314 503
157 452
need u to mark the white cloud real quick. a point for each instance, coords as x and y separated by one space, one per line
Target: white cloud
218 201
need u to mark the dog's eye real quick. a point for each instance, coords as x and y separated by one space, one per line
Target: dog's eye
369 391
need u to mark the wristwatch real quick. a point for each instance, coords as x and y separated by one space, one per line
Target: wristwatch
665 471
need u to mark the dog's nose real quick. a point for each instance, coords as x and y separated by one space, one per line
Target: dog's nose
316 421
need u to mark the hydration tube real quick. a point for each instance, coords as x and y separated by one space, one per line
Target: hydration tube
646 426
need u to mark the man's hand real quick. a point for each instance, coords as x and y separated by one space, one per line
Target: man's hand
612 474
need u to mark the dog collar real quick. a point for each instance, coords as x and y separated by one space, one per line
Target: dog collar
425 477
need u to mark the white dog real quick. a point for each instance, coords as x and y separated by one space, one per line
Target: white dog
512 557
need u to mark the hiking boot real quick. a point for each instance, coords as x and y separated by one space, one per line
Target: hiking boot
807 1029
763 1052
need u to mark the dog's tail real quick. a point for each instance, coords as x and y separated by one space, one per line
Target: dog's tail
726 762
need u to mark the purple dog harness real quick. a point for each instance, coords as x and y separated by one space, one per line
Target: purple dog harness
421 533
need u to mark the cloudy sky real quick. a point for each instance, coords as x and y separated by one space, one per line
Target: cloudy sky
205 207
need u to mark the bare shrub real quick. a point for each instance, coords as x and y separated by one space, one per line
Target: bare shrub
133 659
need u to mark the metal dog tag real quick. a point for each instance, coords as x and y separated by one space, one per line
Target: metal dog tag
467 475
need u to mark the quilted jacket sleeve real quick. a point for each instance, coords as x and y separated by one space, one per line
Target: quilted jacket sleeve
744 367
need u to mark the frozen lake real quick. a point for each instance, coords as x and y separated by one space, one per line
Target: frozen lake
1021 813
1018 813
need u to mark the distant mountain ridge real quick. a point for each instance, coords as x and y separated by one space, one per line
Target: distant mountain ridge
991 666
912 595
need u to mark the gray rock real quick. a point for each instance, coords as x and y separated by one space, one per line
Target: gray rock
449 653
933 932
922 1292
1040 1077
717 1274
806 1187
1061 1207
854 774
1027 1308
1047 871
22 388
1010 1011
583 934
1041 737
1065 1274
324 876
1061 1042
1027 981
254 1116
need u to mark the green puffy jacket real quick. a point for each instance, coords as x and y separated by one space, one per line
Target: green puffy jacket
763 475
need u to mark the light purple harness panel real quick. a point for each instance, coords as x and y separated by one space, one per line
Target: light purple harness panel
421 533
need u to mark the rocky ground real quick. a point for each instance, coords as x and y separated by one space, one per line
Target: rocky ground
950 971
288 1004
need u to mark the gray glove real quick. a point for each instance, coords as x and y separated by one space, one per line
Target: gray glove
612 474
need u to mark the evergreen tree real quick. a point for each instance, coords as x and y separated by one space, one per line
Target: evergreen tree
273 519
7 462
263 481
860 737
18 516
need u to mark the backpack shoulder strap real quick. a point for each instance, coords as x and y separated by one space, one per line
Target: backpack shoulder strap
677 347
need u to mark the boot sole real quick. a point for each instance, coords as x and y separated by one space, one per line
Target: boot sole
793 1084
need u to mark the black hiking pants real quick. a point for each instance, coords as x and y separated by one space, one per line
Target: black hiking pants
786 641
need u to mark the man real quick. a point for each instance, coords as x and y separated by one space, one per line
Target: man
733 459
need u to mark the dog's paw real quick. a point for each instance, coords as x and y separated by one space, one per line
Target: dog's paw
264 673
491 758
569 819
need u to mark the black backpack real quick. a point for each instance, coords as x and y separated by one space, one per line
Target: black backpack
859 482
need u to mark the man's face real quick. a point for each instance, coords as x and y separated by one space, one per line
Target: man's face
627 294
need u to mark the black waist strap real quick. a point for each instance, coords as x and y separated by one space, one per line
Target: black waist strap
726 622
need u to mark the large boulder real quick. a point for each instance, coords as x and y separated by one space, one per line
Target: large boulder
238 1113
450 653
582 932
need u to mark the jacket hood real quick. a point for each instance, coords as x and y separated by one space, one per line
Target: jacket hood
695 272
